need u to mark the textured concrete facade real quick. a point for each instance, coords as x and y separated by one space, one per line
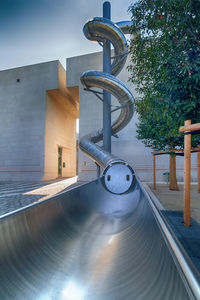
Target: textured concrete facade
23 118
127 146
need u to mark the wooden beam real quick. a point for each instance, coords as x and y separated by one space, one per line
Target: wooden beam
166 151
174 151
187 174
190 127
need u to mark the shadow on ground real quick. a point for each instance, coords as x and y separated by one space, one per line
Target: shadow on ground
189 237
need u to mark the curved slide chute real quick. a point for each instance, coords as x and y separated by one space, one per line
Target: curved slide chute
89 244
118 176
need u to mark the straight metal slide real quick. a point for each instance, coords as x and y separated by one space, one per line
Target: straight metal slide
90 244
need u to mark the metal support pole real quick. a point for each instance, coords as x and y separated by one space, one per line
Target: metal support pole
106 95
98 171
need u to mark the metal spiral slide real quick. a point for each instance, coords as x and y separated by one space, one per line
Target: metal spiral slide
92 244
117 176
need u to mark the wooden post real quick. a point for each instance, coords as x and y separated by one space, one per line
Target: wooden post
187 175
154 172
198 169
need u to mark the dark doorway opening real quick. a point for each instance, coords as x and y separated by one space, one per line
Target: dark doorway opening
59 162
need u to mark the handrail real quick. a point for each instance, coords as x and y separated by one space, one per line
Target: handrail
185 265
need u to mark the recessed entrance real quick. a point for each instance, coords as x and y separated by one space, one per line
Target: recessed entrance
59 162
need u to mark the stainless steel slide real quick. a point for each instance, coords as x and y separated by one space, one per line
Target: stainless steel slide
117 175
89 244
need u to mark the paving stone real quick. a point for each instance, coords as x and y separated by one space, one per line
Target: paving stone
17 195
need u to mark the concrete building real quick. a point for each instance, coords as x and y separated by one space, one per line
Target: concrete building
126 146
38 116
37 123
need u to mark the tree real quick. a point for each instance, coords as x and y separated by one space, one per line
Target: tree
165 56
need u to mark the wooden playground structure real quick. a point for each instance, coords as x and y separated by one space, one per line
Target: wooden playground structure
188 129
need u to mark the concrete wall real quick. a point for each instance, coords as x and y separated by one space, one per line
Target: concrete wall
60 131
22 119
127 146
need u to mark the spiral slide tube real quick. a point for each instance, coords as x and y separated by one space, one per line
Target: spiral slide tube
118 176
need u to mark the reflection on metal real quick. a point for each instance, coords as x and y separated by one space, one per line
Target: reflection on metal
99 30
73 291
89 244
117 173
125 26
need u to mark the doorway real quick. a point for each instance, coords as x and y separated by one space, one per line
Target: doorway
59 162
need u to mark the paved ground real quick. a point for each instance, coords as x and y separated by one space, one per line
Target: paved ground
173 200
17 195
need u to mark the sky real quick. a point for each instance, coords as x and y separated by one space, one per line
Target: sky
35 31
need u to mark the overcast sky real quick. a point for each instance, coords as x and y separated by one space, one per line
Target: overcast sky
34 31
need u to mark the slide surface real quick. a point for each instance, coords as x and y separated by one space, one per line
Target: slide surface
87 243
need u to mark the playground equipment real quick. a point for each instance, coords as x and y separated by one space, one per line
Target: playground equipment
88 243
188 130
117 176
92 244
177 152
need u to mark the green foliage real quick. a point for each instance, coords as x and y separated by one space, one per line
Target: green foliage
165 56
